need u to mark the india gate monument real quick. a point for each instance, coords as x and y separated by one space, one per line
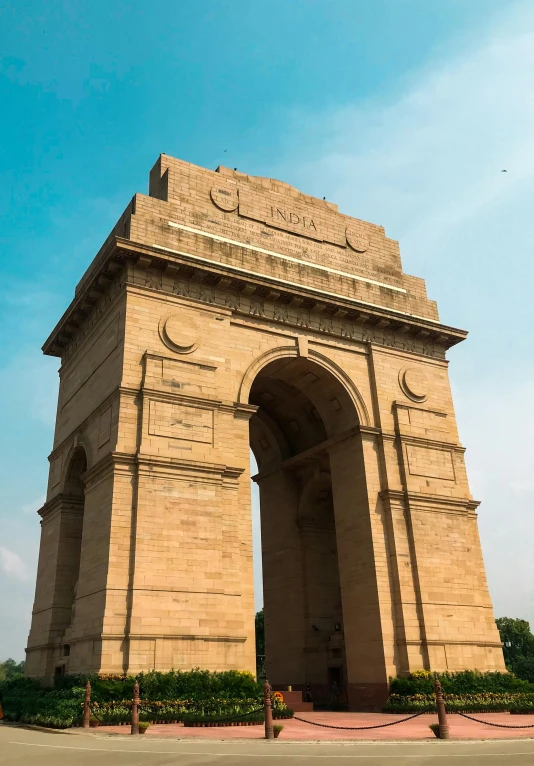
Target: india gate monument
225 313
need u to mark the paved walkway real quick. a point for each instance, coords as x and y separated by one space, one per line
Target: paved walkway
417 728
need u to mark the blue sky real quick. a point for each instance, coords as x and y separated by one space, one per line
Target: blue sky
403 112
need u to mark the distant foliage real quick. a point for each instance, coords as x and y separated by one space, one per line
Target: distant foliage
260 643
523 667
10 670
260 632
518 646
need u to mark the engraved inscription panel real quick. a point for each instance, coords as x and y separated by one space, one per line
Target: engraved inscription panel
180 421
432 463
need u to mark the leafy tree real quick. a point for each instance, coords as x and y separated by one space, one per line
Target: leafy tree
260 644
523 667
260 633
517 639
11 669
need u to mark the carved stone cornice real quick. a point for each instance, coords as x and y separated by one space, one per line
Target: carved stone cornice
422 502
449 642
424 441
60 502
265 297
189 467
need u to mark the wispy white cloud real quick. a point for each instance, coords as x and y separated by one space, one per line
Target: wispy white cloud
500 461
428 167
34 505
12 564
431 160
29 385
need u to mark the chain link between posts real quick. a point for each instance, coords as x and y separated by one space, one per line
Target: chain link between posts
359 728
498 725
146 709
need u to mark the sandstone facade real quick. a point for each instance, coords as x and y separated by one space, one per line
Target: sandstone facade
226 312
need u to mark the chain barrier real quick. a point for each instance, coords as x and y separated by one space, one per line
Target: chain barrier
149 711
218 720
358 728
93 714
498 725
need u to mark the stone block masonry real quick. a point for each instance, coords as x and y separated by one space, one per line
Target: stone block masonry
226 313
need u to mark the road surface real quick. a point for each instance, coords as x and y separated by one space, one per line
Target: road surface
27 747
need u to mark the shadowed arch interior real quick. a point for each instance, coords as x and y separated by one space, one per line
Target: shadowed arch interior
302 410
70 540
300 406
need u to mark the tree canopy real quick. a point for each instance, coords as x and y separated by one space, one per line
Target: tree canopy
11 669
518 646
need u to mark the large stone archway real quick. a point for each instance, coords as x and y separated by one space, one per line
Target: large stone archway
226 310
316 535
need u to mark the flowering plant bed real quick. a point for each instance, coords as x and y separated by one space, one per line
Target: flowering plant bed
487 702
165 698
460 683
175 711
224 717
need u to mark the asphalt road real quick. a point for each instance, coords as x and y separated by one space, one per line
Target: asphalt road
27 747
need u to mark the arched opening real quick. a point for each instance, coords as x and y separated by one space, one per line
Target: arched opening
70 540
303 412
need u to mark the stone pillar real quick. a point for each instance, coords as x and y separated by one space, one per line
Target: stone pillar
282 579
58 572
363 570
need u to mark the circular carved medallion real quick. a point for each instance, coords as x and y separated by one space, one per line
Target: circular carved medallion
179 333
357 239
413 384
224 197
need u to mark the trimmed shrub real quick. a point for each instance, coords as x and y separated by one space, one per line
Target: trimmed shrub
56 709
464 703
176 684
165 697
464 682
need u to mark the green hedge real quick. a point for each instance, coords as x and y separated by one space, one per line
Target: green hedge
191 684
464 682
197 690
212 709
26 702
464 703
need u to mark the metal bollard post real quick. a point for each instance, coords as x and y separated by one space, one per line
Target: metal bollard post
87 705
269 732
135 710
444 732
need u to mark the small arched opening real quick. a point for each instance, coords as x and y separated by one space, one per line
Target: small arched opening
70 540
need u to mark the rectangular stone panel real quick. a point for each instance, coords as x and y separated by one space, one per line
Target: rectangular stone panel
180 421
104 427
429 462
55 471
290 215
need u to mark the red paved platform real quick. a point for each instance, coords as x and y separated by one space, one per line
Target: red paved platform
417 728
